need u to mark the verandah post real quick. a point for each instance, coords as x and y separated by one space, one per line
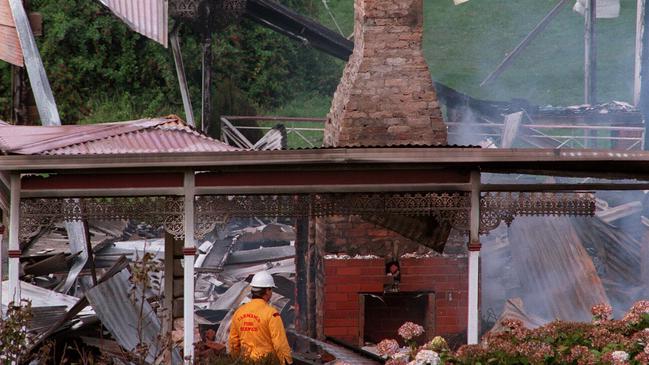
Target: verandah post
189 250
474 260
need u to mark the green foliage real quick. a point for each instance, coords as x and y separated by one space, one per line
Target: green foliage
101 71
89 55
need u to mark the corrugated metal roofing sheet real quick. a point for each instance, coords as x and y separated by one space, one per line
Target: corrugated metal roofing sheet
147 17
10 49
158 135
120 313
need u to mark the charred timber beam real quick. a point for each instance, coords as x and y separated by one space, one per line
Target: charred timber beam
301 268
298 27
206 102
356 349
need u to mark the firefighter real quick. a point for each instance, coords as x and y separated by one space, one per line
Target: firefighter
257 330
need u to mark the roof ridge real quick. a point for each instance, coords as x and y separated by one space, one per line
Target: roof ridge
109 129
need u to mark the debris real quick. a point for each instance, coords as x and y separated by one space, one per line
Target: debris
612 214
78 246
347 257
514 309
129 318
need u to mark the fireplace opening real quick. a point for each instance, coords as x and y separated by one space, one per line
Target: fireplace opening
383 313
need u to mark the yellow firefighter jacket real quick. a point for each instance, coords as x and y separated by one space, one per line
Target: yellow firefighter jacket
257 330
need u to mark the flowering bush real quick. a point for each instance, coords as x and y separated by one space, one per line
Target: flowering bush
604 341
411 355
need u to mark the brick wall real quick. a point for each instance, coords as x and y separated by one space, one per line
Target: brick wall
386 95
446 276
354 236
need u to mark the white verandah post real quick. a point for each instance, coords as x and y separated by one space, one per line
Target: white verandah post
189 250
14 247
474 260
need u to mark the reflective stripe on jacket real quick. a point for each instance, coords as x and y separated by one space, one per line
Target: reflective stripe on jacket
257 330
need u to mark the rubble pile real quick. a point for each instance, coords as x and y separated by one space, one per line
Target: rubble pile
110 301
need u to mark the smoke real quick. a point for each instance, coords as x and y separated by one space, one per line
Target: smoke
561 266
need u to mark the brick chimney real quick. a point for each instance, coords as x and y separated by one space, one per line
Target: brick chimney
386 95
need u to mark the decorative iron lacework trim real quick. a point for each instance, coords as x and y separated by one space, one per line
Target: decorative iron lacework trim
315 205
213 210
497 207
36 214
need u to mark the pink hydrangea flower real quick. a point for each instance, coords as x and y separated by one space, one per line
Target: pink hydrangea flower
620 357
602 312
388 347
427 357
634 314
410 330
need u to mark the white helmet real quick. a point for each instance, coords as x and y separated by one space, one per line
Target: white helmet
262 279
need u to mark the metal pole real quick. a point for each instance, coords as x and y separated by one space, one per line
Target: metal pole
639 26
189 251
643 100
37 77
14 247
474 260
590 53
182 80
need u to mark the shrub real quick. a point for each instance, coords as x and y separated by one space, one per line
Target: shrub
603 341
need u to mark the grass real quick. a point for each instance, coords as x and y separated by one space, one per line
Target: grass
122 108
304 105
464 43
